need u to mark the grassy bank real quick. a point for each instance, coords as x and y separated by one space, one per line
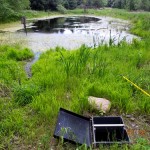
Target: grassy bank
61 78
29 14
140 20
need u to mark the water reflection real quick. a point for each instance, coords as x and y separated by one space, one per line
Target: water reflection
72 32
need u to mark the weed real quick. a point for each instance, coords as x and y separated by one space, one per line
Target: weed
23 94
66 63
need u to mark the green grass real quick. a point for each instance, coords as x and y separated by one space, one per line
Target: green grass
28 14
37 14
15 21
62 78
97 73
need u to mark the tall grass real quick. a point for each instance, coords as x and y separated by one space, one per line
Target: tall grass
97 72
61 78
67 78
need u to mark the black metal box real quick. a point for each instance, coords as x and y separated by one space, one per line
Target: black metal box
90 131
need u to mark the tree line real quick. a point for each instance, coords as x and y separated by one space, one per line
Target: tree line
9 8
130 4
72 4
68 4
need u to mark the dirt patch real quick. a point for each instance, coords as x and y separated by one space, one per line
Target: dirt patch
136 126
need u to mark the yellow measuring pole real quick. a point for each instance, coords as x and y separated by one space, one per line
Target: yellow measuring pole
136 86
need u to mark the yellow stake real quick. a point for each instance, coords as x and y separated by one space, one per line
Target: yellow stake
136 86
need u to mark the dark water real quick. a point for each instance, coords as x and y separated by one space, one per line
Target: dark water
59 25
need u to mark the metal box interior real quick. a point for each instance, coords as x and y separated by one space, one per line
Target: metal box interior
91 131
109 130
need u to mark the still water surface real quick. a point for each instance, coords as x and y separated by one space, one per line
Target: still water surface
73 31
70 32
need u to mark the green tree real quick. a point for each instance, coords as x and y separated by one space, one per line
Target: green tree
45 4
118 4
79 2
85 4
5 10
130 5
109 3
18 5
72 4
53 4
9 9
89 3
66 4
98 3
145 5
37 4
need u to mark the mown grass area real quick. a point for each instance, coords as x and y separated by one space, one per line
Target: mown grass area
61 78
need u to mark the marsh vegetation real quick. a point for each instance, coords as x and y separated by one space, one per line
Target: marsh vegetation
62 78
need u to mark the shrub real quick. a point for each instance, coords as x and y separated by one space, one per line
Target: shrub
61 9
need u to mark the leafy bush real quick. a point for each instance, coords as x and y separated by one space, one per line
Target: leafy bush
10 10
61 9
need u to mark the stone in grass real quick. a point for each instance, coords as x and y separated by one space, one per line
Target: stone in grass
100 104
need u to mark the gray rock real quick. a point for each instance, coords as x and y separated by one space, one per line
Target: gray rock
128 116
100 104
132 119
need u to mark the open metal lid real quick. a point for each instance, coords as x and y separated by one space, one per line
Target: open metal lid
73 127
90 131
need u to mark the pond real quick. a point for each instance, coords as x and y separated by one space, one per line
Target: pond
69 32
73 31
